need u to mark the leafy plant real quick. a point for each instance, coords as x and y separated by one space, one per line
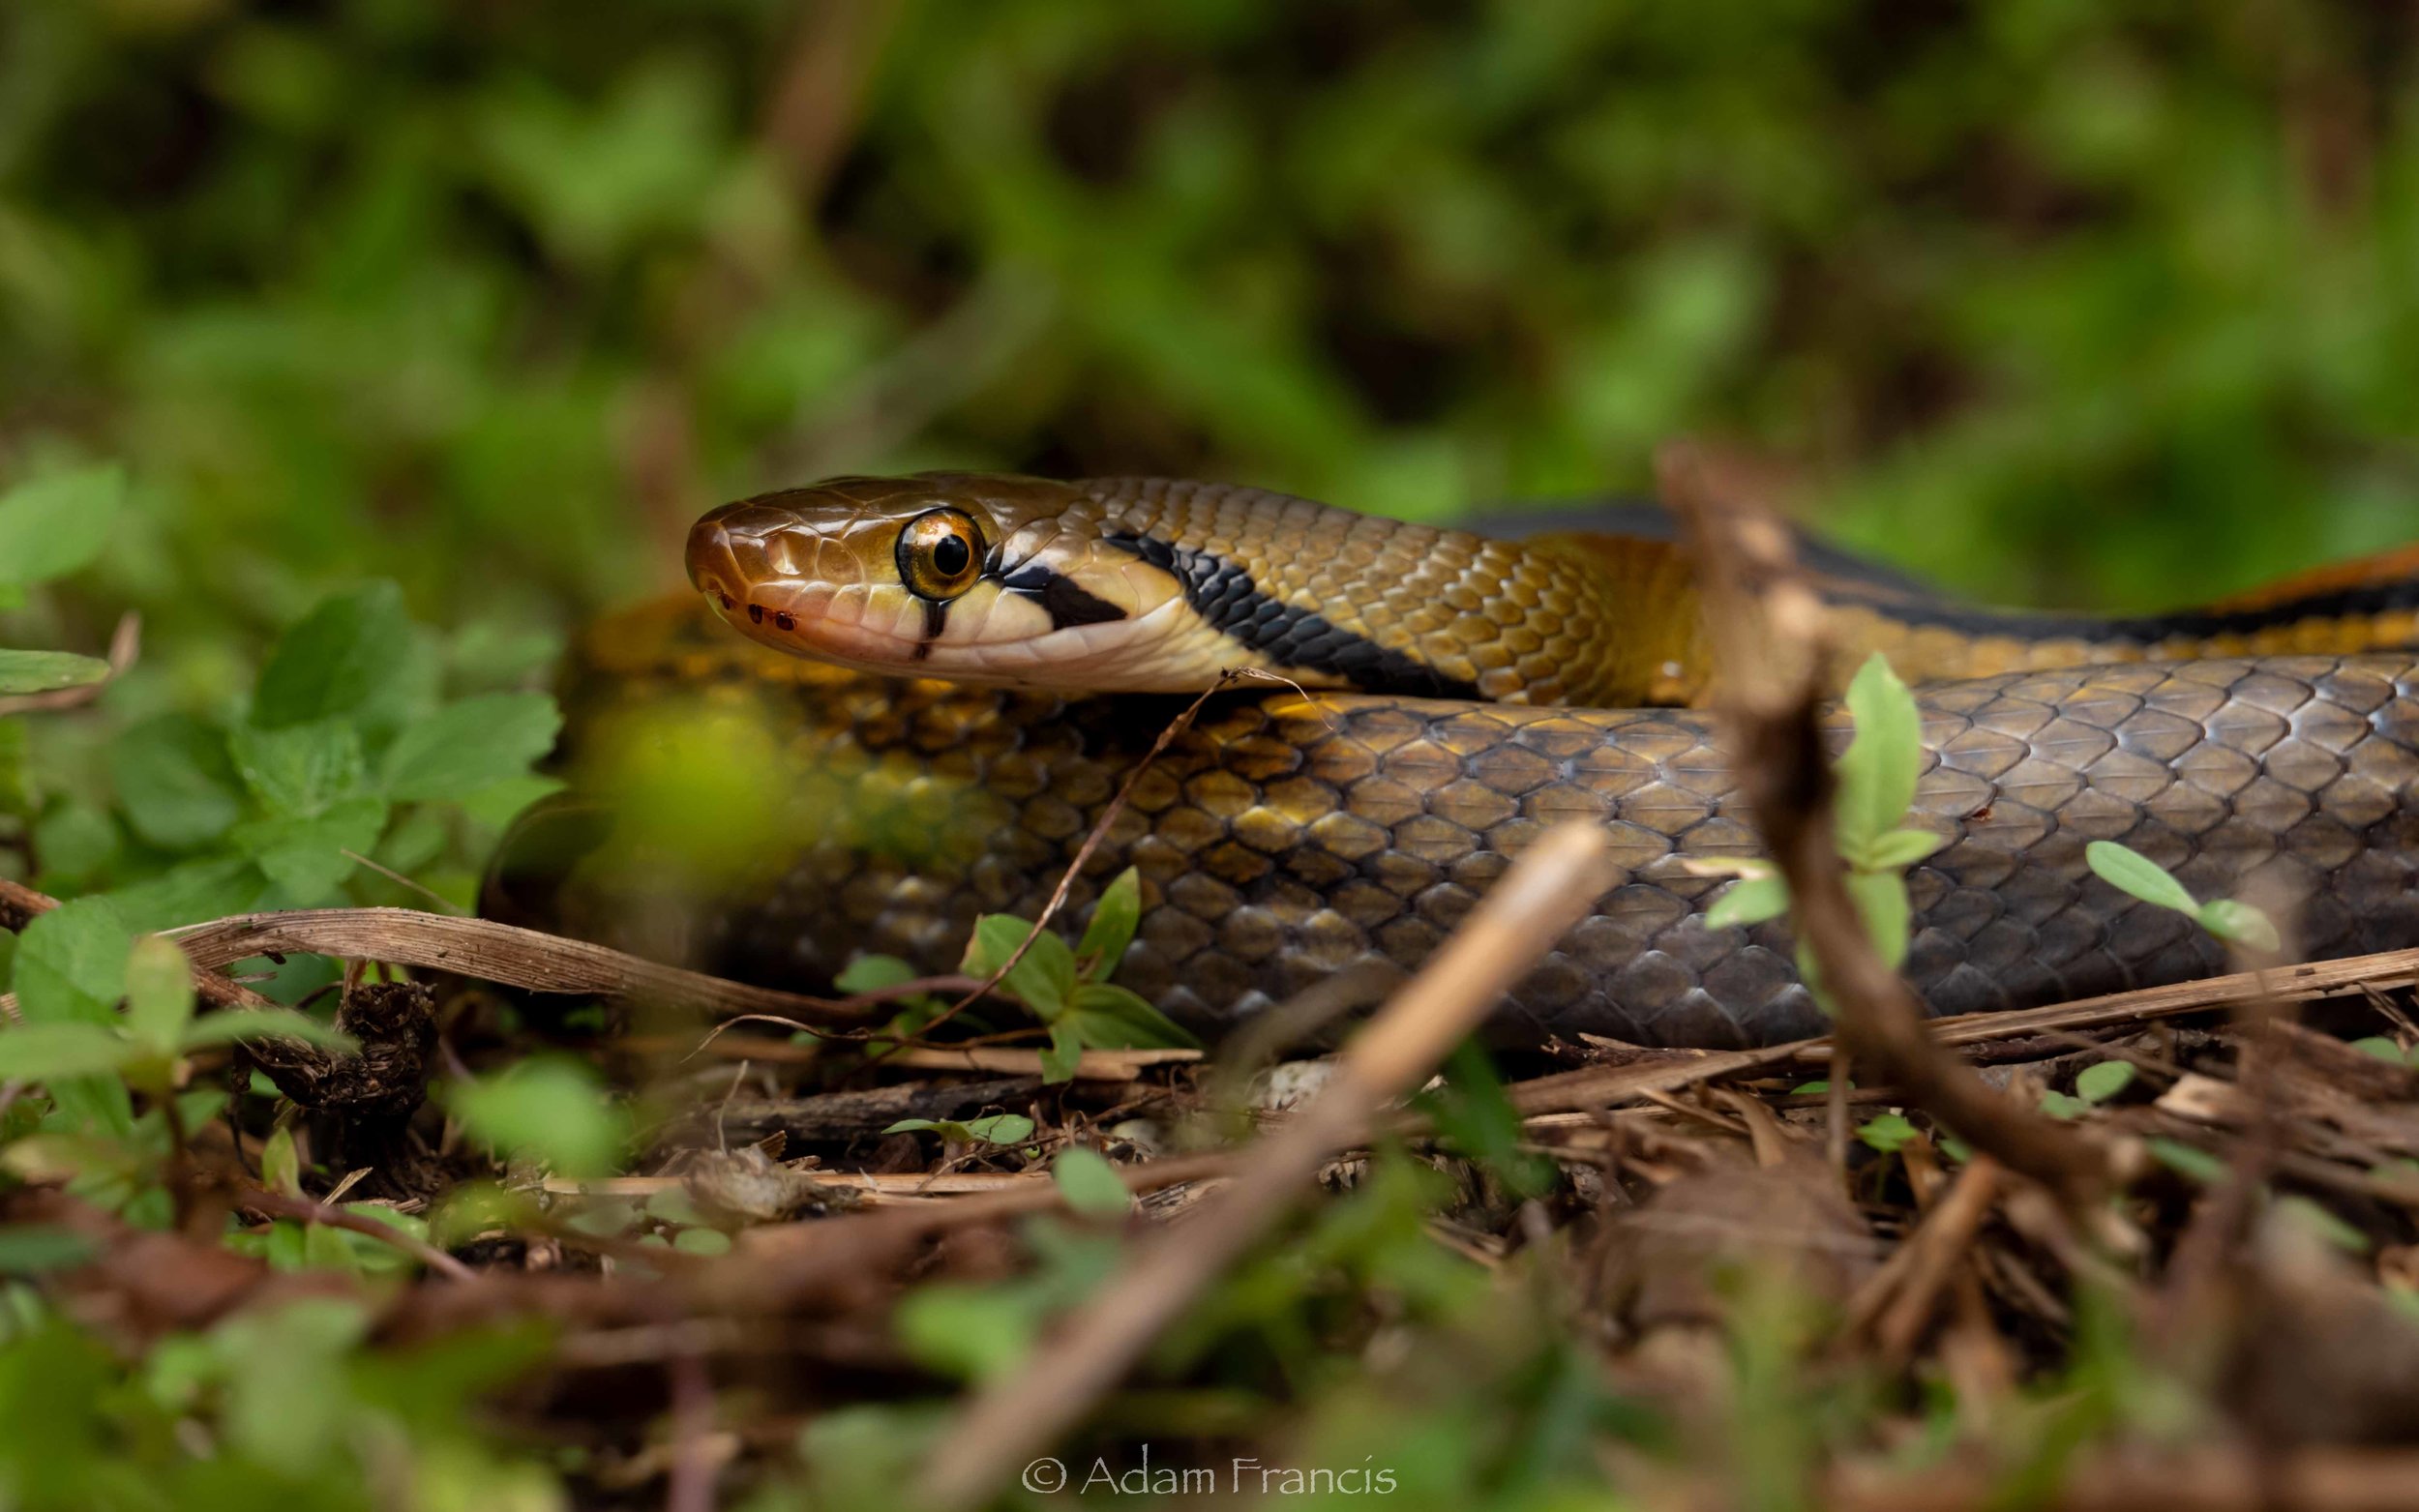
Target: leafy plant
1876 778
1067 988
344 742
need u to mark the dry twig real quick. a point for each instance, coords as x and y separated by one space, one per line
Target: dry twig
1767 626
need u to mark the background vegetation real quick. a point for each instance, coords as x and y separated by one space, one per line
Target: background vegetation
2059 302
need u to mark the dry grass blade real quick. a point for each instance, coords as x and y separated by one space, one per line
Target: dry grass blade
491 953
1550 888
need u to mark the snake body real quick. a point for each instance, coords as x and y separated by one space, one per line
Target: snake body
1453 694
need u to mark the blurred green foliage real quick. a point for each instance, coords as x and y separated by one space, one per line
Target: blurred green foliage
2056 300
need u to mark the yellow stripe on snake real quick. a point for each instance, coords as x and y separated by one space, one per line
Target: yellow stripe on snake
960 670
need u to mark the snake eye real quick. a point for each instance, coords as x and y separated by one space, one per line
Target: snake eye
940 555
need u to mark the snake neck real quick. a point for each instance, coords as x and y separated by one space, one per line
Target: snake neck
1333 599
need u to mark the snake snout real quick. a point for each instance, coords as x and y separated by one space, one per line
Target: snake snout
742 546
713 565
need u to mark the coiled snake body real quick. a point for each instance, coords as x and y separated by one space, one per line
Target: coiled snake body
1452 693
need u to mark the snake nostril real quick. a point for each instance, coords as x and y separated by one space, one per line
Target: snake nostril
723 596
755 614
784 621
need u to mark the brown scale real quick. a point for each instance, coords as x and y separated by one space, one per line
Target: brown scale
1284 839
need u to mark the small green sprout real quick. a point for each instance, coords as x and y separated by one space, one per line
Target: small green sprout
1876 788
2105 1080
1066 988
1889 1134
997 1129
2128 870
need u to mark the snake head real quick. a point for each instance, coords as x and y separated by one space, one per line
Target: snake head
970 577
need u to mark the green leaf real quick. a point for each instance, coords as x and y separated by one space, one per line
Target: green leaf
175 781
1901 848
701 1241
2380 1046
1751 899
1889 1134
2241 924
470 745
1042 980
974 1332
549 1109
1108 1017
870 974
1090 1184
57 523
2096 1083
197 890
48 671
307 857
1114 919
30 1248
41 1052
1877 774
1002 1127
997 1129
158 993
297 771
236 1025
2128 870
344 659
2058 1105
70 964
1064 1053
1881 902
2186 1159
15 796
77 843
281 1164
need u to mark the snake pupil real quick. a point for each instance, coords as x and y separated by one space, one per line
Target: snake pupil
951 554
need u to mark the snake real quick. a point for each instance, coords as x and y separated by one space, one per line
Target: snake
932 690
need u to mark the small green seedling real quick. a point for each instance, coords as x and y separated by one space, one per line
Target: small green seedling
2128 870
2105 1080
1889 1134
997 1129
1876 788
1066 988
2093 1085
